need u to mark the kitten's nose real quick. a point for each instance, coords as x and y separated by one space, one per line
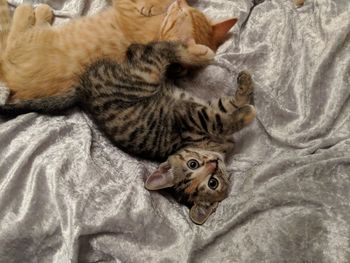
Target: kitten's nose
212 165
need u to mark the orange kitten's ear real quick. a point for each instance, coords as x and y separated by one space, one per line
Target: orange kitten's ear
162 178
221 29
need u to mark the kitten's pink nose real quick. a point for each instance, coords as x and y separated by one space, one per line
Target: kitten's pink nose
212 166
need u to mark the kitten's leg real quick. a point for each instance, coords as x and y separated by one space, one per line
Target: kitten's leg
236 110
23 19
43 15
150 62
243 95
219 122
163 53
225 115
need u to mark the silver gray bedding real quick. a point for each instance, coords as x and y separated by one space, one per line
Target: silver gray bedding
68 195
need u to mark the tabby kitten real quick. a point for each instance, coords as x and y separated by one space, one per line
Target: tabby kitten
144 113
37 60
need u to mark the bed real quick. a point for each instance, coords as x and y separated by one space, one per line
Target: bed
68 195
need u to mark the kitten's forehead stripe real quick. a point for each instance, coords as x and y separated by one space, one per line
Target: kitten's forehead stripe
180 156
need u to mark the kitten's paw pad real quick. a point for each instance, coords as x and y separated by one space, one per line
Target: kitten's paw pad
244 78
247 114
44 12
299 3
245 83
148 9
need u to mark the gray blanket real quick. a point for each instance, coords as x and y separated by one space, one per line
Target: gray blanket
68 195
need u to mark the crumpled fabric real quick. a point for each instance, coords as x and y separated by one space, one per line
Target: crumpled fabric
68 195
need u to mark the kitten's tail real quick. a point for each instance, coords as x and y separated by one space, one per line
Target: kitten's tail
50 105
4 28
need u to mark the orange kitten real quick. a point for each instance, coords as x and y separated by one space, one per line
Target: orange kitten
38 60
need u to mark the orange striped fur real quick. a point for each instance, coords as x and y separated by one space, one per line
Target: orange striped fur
40 60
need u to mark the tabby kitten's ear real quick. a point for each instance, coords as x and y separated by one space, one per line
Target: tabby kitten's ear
199 213
221 29
163 177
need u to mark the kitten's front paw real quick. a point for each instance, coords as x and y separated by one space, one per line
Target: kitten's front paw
198 55
245 83
244 78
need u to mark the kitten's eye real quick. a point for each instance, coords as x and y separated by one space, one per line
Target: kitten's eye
193 164
213 183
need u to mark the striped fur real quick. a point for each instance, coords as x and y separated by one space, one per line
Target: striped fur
143 113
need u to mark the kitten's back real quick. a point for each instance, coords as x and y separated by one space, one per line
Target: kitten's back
4 28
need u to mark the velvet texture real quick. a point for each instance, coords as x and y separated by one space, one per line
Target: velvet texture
68 195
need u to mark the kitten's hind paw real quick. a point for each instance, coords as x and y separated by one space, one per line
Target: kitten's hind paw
4 95
245 84
244 78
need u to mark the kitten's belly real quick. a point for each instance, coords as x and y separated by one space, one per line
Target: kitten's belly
142 132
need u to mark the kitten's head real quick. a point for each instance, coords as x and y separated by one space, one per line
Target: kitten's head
198 177
184 22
